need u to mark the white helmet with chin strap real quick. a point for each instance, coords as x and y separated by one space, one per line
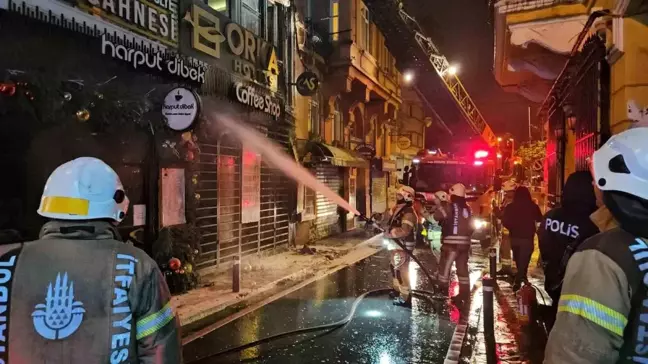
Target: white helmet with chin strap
458 190
84 189
407 193
442 196
621 164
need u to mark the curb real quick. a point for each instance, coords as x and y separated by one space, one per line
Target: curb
261 297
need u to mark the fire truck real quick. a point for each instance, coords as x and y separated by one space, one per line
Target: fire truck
435 171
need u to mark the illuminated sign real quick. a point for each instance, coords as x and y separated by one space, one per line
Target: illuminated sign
212 35
152 60
154 19
254 98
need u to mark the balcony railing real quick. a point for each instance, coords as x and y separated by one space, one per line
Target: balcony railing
515 6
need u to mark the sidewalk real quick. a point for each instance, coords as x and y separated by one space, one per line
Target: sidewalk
514 343
265 276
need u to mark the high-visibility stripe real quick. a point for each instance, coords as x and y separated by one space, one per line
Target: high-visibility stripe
594 312
65 205
407 222
155 321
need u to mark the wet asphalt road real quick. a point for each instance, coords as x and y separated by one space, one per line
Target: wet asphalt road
379 333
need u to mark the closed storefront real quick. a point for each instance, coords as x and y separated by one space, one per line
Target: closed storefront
378 191
243 204
327 221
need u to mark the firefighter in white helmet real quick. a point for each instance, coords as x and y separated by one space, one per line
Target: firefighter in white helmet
604 299
457 229
402 225
79 294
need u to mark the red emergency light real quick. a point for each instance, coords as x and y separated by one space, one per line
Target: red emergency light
478 163
481 154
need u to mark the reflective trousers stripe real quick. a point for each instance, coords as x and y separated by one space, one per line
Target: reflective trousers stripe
593 311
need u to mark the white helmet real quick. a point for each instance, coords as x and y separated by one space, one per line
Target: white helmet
621 164
458 189
84 189
407 192
442 196
509 186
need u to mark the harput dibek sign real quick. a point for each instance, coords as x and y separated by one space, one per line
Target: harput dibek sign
212 35
153 60
154 19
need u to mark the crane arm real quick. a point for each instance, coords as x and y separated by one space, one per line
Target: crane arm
451 81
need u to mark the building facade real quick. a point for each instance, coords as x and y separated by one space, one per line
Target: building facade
103 79
344 131
582 62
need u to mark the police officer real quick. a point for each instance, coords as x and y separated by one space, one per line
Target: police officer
602 309
79 294
402 224
563 229
457 229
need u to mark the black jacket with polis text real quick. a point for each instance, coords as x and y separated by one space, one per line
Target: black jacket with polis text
563 229
79 295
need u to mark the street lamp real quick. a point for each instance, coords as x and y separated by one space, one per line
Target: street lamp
408 76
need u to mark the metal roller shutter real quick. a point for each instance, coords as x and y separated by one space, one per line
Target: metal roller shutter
327 222
218 214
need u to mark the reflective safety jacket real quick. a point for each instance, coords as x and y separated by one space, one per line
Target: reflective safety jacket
457 227
602 310
79 295
405 215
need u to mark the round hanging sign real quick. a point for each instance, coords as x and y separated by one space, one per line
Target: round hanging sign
404 142
181 108
307 83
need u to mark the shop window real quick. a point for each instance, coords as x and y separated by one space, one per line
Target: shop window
310 198
335 20
251 15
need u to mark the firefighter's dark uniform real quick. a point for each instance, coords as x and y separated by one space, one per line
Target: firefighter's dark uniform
456 232
402 216
79 295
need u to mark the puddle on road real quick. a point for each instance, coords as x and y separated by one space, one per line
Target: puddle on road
379 333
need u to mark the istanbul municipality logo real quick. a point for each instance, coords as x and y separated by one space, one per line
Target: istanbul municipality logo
60 316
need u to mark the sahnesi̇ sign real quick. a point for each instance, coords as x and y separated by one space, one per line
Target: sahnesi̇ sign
159 61
154 19
248 95
180 108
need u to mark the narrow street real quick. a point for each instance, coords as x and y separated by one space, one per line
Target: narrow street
379 333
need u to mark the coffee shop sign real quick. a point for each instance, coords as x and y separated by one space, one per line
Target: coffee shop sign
250 56
248 95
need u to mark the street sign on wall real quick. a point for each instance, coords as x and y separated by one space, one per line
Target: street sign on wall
366 151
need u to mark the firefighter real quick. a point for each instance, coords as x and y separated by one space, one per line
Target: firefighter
602 309
402 224
79 294
457 229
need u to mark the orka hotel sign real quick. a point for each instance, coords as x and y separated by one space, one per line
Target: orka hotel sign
211 35
154 19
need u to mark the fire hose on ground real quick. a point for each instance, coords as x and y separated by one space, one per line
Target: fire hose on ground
338 324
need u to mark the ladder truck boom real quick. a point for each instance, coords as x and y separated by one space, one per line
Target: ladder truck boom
443 68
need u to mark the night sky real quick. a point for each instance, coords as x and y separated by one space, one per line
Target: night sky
461 30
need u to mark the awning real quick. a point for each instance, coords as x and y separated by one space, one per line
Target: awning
324 153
